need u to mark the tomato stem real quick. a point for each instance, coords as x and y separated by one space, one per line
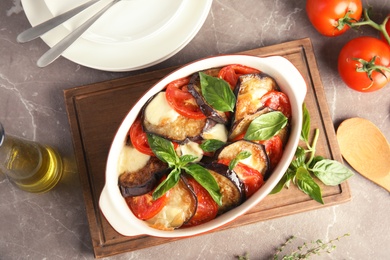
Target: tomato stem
369 67
367 21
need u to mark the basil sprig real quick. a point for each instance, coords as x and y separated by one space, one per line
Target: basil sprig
217 93
165 151
329 172
266 126
241 156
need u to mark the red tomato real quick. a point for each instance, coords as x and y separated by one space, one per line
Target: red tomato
387 27
139 139
207 208
277 101
144 207
252 178
371 51
181 100
274 149
231 73
327 15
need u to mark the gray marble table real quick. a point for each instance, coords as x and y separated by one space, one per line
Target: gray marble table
54 225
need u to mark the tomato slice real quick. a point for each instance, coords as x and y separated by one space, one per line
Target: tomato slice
139 139
181 100
252 178
274 149
207 208
144 207
231 73
277 101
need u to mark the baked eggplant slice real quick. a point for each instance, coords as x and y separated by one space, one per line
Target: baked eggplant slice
257 160
240 127
142 180
159 118
231 187
195 90
249 90
180 207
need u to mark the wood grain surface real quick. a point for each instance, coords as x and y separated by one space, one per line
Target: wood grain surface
95 112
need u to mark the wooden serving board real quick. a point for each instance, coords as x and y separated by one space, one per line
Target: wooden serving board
95 112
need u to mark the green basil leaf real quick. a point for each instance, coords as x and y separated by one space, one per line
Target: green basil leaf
305 124
307 184
300 157
316 159
266 126
167 184
187 158
241 156
217 93
331 172
284 181
204 178
211 145
163 149
280 185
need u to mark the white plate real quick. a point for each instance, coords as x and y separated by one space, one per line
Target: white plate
133 34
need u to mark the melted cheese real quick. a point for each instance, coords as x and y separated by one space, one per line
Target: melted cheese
131 160
218 132
254 161
159 111
178 209
191 148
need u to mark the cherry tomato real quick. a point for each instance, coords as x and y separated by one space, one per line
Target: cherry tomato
373 54
144 207
181 100
277 101
327 15
231 73
274 149
139 139
207 208
252 178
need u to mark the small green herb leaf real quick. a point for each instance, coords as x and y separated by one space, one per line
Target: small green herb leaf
306 184
266 126
167 184
331 172
284 181
211 145
241 156
163 149
187 158
315 160
305 124
204 178
280 185
300 158
217 93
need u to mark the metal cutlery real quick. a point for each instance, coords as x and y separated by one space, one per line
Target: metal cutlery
40 29
56 51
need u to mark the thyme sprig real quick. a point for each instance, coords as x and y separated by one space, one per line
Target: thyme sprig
304 251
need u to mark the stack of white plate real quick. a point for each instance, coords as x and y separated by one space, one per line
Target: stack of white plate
132 35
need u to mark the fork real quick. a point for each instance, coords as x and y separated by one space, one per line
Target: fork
42 28
56 51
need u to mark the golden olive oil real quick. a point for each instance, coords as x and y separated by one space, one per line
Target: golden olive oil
31 166
46 172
